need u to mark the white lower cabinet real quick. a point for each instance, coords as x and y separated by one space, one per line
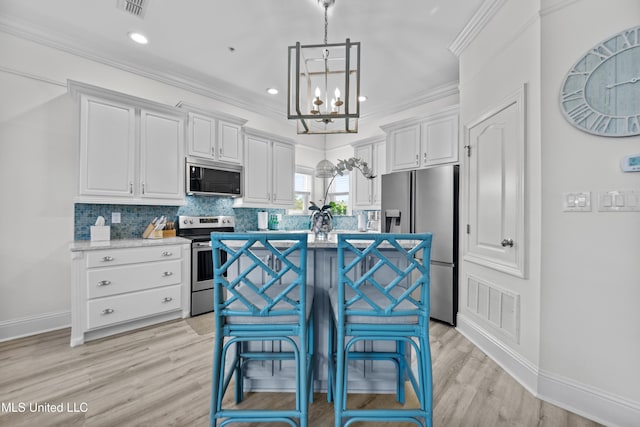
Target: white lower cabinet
119 289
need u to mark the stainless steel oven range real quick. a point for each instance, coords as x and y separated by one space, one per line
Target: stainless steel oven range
198 229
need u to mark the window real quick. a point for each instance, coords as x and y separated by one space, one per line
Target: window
339 192
303 188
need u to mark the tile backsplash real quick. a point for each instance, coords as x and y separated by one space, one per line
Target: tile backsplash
135 218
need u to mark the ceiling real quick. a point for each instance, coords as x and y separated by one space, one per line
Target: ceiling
405 43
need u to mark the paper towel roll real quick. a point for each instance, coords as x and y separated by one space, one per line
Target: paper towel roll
262 220
362 225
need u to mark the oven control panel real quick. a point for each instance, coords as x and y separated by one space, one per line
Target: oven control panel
205 221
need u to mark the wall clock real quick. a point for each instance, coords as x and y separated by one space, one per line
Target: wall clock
601 92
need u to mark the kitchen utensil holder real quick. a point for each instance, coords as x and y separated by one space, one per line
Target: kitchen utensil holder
151 233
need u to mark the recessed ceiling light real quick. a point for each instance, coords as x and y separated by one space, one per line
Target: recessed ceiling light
272 91
362 98
138 38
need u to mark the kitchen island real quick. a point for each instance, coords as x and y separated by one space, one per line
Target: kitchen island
364 376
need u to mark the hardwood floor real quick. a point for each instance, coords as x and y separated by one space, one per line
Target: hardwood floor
161 376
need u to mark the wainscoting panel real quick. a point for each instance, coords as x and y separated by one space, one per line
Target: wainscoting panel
496 307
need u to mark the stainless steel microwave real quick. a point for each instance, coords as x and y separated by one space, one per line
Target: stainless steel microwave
213 179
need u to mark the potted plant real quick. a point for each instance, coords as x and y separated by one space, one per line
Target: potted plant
321 217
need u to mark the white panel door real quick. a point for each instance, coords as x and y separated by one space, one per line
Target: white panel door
495 188
257 186
161 155
107 147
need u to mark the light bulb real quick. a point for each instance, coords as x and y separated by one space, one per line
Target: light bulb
337 93
317 92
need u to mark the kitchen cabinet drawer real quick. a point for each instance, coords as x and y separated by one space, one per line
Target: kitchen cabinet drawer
102 282
121 308
113 257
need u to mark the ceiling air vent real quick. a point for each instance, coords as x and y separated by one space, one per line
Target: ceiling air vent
133 7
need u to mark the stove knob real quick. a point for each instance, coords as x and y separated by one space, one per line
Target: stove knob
184 221
224 221
190 221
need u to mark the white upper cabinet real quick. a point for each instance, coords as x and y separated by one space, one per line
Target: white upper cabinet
131 150
161 155
214 136
404 148
269 166
107 147
366 192
420 143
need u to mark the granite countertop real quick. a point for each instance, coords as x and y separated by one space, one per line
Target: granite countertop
313 243
87 245
331 242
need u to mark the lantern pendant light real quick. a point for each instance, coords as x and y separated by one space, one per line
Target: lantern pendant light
324 84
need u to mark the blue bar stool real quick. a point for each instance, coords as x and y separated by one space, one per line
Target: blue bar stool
382 295
277 307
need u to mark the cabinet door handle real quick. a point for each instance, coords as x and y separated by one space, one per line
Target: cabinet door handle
131 188
167 253
107 311
425 157
104 282
167 274
143 188
507 242
417 159
167 299
107 258
220 151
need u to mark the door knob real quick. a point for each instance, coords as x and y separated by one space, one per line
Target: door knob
507 242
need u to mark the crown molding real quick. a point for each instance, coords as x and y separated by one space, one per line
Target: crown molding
421 98
557 7
476 24
207 86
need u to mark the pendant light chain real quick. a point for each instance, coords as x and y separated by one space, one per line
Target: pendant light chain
326 21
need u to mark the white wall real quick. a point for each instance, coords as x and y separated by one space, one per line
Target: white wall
590 321
498 62
580 324
38 178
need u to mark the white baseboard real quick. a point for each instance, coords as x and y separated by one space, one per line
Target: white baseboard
592 403
32 325
519 368
578 398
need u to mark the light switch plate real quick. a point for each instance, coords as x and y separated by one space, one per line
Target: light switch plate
619 201
115 217
576 201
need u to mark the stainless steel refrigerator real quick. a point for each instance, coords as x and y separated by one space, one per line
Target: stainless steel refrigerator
426 200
